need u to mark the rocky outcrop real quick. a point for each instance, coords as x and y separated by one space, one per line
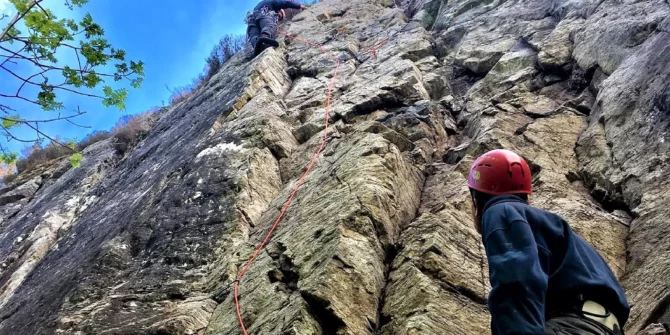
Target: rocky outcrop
379 238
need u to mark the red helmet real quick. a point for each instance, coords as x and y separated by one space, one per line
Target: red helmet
500 172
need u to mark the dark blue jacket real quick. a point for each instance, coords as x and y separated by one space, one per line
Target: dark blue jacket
536 261
276 5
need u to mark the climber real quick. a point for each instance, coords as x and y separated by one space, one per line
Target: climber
262 22
545 279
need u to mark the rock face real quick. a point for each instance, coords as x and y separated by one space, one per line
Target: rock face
379 238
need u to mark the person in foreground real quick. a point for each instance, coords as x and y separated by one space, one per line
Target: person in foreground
545 279
262 22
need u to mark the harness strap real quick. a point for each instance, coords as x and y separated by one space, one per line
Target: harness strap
587 308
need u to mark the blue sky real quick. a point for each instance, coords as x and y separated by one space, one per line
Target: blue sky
171 37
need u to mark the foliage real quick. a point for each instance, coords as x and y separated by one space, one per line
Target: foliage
35 38
39 154
7 173
180 94
8 178
127 132
221 53
92 138
224 50
75 160
8 158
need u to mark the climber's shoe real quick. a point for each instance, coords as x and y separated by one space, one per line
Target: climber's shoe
264 43
268 41
258 48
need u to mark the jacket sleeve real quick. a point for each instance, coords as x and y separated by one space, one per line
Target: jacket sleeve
281 4
518 283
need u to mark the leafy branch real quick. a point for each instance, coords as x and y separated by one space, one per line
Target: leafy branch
44 36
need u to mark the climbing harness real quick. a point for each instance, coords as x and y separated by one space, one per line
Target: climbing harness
324 140
253 14
582 305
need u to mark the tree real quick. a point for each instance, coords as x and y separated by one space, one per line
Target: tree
35 37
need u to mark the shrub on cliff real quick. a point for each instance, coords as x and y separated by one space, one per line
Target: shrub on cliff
129 131
92 138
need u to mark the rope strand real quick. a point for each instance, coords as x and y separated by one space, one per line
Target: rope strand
331 86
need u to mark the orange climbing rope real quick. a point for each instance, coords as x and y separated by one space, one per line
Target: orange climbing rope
297 186
372 51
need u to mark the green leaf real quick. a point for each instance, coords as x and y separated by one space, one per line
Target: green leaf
75 160
92 79
47 98
136 83
79 3
9 158
72 25
115 97
20 5
91 28
121 69
9 122
94 51
72 77
118 54
11 34
137 67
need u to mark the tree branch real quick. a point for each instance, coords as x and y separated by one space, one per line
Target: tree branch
18 17
26 81
20 97
14 54
78 125
4 151
58 86
45 120
6 109
51 139
10 135
44 10
81 70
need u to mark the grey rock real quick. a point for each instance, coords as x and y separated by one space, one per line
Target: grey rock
379 238
654 329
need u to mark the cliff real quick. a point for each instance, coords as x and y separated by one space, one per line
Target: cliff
379 238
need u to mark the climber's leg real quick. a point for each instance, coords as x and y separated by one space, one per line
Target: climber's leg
253 34
268 25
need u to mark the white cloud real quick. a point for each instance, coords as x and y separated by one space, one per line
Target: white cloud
5 7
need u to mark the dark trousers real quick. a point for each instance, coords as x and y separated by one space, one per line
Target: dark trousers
261 23
570 323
